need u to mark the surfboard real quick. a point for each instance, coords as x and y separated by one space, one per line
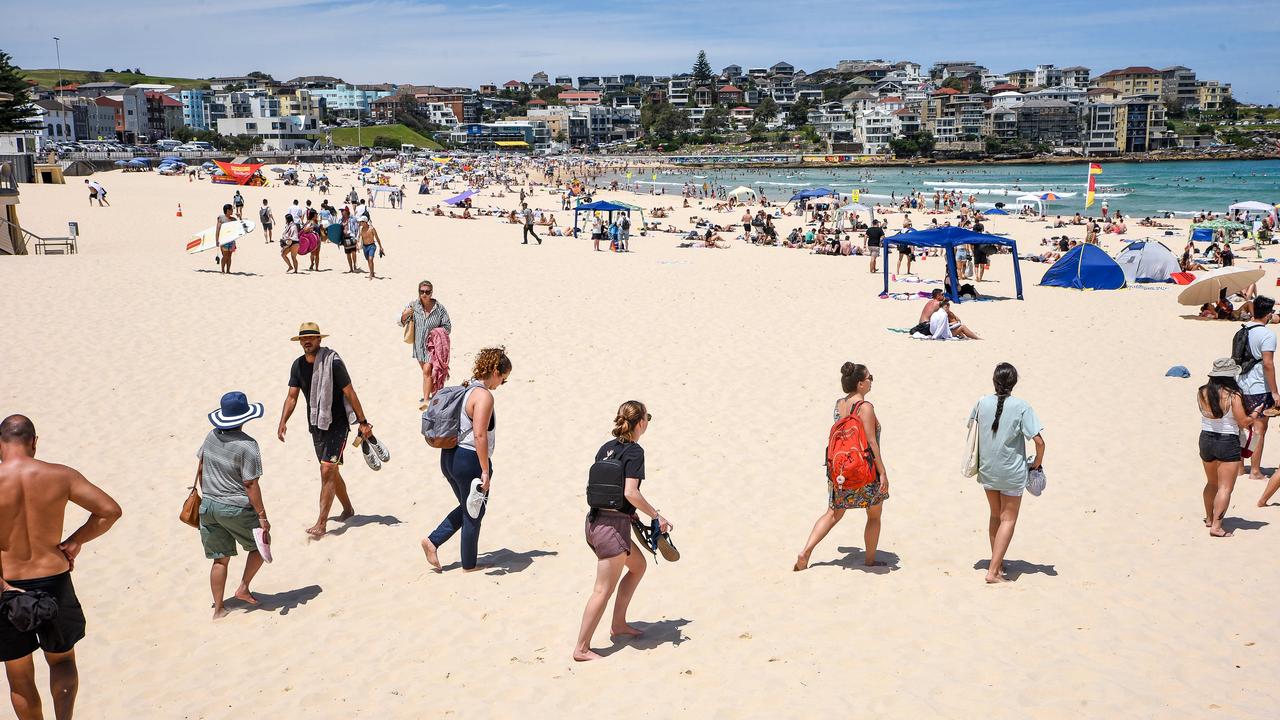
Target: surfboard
231 230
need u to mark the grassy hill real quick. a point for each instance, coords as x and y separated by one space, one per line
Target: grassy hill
399 133
47 78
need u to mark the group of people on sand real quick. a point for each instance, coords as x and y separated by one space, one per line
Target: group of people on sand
1000 425
305 231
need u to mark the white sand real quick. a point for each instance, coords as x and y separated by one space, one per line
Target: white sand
1122 605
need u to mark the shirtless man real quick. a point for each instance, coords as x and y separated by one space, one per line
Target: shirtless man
34 557
370 243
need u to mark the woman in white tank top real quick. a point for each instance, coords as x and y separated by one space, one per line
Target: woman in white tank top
1221 417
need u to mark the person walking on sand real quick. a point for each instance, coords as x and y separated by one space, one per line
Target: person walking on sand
331 405
231 505
224 248
289 244
35 557
471 461
97 192
268 220
875 235
1004 423
608 530
527 215
238 201
350 238
427 314
370 243
1222 414
1258 374
855 380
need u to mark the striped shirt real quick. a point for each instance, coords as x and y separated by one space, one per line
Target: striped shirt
231 459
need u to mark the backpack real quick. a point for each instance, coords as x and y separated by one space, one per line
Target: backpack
442 421
850 462
1240 351
607 484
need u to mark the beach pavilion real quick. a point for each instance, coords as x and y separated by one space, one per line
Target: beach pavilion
948 238
598 206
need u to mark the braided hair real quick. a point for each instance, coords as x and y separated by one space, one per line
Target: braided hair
1004 379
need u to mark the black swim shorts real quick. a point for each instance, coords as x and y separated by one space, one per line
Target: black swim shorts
58 635
1221 447
329 444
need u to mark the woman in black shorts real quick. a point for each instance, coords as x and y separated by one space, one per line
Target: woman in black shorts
609 532
1222 415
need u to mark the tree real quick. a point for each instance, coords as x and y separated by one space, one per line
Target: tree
956 83
809 134
702 69
259 75
716 118
663 120
14 114
766 111
798 115
385 142
94 76
757 131
551 94
560 136
993 144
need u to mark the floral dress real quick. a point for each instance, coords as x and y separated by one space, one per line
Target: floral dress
868 495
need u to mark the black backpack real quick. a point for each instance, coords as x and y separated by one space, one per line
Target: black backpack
1240 351
607 484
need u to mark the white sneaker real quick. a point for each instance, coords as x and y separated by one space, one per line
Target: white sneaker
475 500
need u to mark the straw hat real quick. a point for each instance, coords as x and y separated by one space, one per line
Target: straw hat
1224 367
308 329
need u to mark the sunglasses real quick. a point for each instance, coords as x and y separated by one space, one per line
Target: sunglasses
504 381
424 292
648 417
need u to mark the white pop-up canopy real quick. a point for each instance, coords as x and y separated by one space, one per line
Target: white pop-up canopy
1252 206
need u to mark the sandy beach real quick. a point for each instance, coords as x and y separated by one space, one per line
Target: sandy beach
1121 604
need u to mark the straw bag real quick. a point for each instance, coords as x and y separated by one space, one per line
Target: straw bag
969 467
409 329
191 509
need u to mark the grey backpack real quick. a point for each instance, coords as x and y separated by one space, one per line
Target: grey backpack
442 421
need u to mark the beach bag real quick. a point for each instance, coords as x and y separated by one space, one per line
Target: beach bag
409 329
850 462
969 468
190 513
1240 351
1036 481
442 420
1249 441
607 484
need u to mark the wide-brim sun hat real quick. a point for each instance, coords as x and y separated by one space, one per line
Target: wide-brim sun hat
235 410
1224 367
308 329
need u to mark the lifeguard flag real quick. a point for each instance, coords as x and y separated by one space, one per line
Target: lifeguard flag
1094 169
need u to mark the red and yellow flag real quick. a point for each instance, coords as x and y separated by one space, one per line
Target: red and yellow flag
1094 169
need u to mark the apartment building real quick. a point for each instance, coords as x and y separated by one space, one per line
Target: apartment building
952 116
1047 76
1178 85
1055 122
1133 80
1140 123
1000 121
1076 76
1210 94
1100 128
1024 79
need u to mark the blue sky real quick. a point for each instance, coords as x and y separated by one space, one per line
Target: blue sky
469 44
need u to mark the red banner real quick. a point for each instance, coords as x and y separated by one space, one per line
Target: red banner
239 173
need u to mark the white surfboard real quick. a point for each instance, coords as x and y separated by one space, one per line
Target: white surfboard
231 230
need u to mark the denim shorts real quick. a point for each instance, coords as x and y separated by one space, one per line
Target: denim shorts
1220 447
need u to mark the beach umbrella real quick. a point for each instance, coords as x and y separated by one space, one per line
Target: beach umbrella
1209 286
121 163
366 169
742 190
1049 196
996 211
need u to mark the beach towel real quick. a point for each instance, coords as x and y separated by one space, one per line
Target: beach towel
321 410
307 242
438 351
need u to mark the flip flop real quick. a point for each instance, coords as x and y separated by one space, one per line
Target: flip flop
475 499
642 535
370 458
263 548
380 449
667 548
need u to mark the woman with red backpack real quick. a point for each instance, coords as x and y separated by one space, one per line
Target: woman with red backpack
856 476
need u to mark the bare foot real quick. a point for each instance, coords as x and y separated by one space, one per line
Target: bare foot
432 558
996 579
1221 533
802 562
1257 476
246 596
625 631
873 563
219 613
586 656
346 515
316 532
478 568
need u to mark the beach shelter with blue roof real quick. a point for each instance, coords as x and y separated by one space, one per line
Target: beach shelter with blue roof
1085 267
598 206
948 238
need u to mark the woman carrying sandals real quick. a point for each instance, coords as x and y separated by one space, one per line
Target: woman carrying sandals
856 381
613 492
427 314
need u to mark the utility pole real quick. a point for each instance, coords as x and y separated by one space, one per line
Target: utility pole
58 51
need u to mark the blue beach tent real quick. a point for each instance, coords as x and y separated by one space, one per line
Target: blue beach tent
598 206
995 211
1085 267
948 237
807 194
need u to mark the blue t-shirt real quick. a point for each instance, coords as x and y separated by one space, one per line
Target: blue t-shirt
1002 456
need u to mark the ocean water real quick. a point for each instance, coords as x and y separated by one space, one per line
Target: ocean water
1138 189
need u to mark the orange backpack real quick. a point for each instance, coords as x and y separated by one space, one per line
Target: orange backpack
850 461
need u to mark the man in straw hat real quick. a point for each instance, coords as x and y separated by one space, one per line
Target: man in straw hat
331 405
231 506
36 560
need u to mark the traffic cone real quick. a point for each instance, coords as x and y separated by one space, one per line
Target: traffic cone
179 209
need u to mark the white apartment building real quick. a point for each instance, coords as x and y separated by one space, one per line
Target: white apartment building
288 132
876 128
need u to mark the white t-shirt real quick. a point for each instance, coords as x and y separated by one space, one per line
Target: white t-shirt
940 325
1253 382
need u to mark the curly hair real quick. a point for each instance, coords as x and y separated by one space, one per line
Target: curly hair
630 413
489 361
